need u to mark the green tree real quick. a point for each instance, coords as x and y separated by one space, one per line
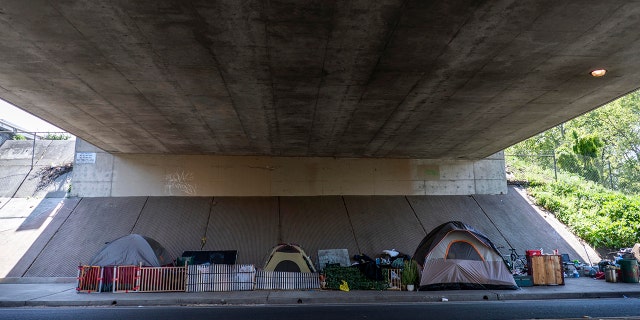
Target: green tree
602 145
587 148
618 123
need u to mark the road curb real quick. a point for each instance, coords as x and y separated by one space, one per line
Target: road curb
60 292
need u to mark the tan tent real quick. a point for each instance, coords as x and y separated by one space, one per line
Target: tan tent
455 256
288 257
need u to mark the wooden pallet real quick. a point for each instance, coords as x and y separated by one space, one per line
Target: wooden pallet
546 270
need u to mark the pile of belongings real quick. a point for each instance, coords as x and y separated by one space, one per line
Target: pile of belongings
372 269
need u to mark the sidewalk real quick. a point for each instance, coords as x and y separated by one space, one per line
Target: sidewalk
51 292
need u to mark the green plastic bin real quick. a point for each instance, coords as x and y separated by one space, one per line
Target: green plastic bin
629 270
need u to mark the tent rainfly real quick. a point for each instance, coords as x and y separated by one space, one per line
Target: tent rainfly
289 257
132 249
456 256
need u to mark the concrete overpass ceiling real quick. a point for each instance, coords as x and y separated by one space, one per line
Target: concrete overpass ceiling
418 79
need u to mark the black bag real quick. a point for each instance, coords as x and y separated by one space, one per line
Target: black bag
368 267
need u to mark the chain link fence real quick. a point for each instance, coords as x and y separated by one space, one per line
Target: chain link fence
31 138
550 166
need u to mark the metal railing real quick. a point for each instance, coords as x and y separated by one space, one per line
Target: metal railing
280 280
32 136
161 279
195 278
131 278
125 278
192 278
89 279
221 277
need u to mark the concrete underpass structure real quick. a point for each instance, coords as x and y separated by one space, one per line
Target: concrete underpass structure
332 124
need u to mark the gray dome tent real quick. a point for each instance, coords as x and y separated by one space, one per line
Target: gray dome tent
456 256
132 249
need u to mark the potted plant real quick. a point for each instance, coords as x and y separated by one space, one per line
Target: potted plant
410 274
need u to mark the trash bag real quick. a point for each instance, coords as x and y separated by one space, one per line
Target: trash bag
368 267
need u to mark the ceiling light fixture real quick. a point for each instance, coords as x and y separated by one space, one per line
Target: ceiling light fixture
598 73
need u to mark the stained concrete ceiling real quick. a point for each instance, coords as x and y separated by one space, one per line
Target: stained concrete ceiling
420 79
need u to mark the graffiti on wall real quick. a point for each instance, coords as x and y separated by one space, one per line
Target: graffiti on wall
180 182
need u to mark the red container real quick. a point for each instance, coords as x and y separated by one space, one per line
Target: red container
533 253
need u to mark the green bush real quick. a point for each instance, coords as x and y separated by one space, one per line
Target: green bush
352 275
410 272
602 217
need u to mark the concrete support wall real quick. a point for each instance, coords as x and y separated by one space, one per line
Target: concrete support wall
100 174
92 179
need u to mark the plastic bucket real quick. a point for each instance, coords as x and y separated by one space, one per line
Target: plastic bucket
629 268
610 274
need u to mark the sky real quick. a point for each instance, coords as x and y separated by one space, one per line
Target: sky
25 120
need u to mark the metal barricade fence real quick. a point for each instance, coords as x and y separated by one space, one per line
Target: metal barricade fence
191 278
131 279
161 279
125 278
220 277
89 279
279 280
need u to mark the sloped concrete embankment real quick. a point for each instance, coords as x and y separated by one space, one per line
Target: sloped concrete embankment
26 168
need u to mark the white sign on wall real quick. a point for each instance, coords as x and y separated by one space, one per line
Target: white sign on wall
86 157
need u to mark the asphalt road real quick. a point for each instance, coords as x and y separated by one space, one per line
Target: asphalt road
545 309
